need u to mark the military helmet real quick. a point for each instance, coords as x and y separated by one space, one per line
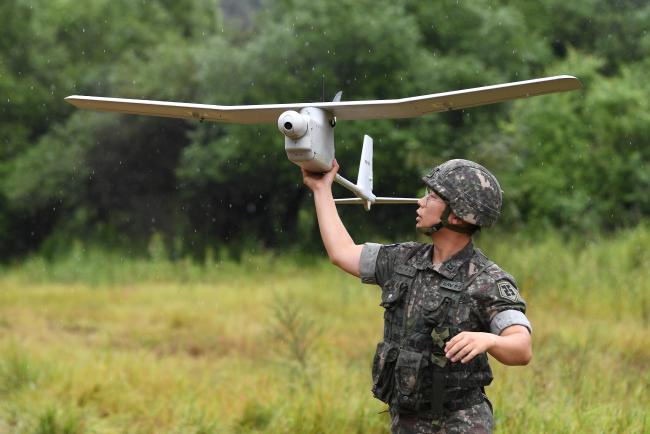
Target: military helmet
470 190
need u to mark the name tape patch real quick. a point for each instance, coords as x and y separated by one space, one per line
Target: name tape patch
454 286
507 290
406 270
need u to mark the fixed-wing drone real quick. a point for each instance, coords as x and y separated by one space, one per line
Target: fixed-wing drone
309 127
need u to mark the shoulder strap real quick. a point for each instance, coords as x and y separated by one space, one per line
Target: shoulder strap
402 266
415 252
487 264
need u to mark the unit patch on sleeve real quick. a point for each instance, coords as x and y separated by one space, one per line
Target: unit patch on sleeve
507 290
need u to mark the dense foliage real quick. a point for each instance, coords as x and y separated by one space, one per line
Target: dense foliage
576 161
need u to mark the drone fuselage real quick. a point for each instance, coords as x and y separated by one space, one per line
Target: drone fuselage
309 138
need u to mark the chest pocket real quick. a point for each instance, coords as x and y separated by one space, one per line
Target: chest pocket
445 306
393 291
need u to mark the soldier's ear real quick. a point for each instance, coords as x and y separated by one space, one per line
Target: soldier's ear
454 220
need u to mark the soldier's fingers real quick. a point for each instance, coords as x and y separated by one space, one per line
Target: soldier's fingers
450 349
306 175
454 340
469 356
462 338
462 353
454 349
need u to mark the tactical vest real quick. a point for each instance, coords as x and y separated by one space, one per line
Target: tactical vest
410 371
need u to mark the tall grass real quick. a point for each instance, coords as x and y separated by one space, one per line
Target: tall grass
97 343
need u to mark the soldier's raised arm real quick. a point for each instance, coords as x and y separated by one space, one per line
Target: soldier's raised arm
341 249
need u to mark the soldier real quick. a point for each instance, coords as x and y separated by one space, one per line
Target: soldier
446 304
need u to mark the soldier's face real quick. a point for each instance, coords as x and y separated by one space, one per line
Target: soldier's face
431 207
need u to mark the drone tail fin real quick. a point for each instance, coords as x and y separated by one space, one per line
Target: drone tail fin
364 178
363 188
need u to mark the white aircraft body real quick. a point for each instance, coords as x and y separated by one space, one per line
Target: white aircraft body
309 127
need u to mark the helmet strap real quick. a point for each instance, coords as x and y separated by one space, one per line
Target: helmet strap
430 230
444 223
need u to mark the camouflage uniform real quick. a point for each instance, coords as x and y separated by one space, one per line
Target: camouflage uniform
427 305
476 419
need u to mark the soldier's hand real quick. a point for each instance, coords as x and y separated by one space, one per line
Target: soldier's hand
467 345
320 180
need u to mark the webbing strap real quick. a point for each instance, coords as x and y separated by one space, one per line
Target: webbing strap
438 392
444 219
450 303
478 273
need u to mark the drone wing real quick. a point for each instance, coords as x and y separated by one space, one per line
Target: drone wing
347 110
383 200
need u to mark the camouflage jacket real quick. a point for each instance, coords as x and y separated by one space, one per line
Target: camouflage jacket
425 306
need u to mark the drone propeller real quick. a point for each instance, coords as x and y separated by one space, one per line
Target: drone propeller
347 110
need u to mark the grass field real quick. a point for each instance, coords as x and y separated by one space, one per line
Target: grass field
95 343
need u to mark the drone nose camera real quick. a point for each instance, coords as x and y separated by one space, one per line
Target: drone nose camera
293 124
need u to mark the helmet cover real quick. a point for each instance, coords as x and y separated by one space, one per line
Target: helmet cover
470 190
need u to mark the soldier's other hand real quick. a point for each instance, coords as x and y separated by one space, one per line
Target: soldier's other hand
314 181
466 345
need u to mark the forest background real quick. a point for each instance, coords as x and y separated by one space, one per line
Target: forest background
160 275
571 162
